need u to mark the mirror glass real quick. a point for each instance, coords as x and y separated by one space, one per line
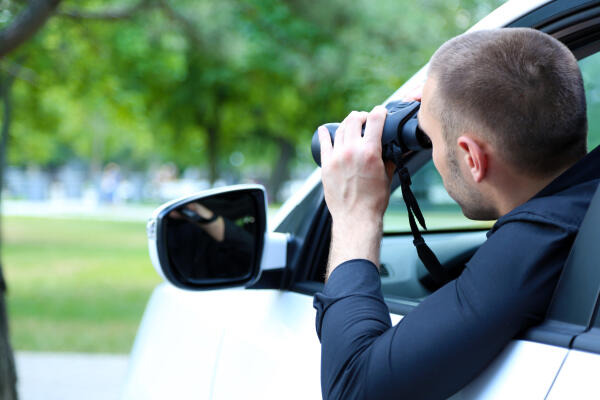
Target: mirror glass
214 239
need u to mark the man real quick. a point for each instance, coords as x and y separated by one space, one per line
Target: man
506 114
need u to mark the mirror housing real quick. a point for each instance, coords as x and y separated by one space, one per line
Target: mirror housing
215 239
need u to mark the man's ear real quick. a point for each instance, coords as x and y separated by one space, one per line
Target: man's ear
474 156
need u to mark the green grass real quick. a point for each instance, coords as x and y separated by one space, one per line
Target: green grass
82 284
75 284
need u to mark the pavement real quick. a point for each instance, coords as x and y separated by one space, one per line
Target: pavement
70 376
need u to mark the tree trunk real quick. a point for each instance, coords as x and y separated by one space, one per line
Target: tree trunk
8 376
26 24
281 172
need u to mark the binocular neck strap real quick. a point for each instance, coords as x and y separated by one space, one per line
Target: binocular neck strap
426 255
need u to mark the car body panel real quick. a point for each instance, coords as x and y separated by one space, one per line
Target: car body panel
174 355
524 370
238 343
190 345
271 349
578 377
507 13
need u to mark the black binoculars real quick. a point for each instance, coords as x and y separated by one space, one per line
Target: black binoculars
400 132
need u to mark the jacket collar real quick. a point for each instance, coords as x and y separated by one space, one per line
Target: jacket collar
583 172
586 169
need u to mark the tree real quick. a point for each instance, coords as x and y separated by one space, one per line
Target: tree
27 23
194 83
30 19
8 376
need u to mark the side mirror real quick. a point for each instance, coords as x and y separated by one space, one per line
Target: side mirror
215 239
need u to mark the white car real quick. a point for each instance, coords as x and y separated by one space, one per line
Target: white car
255 338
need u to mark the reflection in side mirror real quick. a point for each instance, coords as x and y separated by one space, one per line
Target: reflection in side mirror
211 240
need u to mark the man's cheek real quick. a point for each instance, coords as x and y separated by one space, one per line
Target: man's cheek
436 161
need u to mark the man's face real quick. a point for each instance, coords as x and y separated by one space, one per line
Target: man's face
452 168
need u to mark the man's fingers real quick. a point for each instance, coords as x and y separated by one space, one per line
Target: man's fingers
176 215
414 95
374 127
325 144
349 132
353 126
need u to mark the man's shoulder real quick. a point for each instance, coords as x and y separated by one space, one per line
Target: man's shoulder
519 264
563 203
539 232
533 241
562 210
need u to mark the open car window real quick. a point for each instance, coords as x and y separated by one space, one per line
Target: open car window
439 210
454 238
590 69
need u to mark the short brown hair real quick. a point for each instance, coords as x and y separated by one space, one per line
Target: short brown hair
521 88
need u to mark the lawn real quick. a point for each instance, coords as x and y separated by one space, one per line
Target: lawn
82 284
75 284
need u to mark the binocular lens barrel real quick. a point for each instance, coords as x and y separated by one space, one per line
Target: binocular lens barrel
401 128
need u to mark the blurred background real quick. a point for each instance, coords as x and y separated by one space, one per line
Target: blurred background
111 108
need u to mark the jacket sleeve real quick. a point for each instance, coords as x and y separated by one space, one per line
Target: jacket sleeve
452 335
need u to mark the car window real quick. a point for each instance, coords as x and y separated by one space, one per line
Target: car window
402 274
590 69
439 210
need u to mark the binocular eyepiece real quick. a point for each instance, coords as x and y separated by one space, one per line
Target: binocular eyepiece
400 129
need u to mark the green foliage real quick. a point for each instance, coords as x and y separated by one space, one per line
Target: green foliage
208 79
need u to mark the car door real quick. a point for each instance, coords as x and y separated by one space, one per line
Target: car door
577 300
234 343
578 376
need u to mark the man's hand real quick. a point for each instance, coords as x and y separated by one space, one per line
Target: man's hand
357 186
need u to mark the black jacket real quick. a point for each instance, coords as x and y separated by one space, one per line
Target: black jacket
454 333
